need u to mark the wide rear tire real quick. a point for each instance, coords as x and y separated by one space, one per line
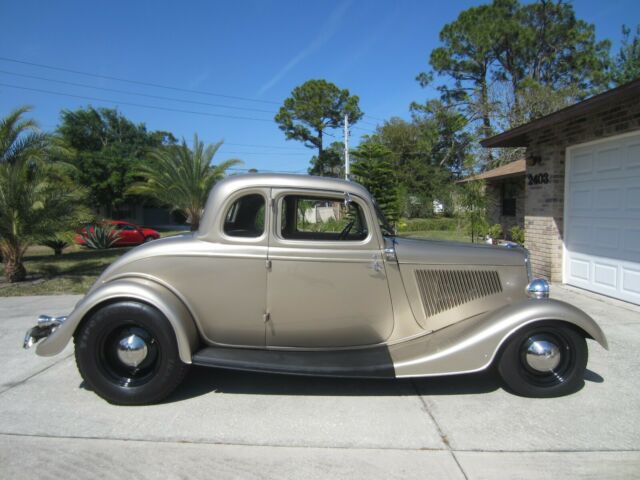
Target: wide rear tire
546 359
127 353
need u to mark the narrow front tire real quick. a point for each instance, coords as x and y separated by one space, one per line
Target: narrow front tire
544 360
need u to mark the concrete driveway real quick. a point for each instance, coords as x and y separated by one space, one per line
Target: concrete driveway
239 425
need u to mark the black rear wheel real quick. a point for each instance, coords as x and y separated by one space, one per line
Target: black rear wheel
128 354
544 360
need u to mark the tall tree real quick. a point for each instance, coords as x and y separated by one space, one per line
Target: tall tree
313 108
427 153
466 56
21 138
37 198
107 148
535 50
374 170
181 177
331 164
626 63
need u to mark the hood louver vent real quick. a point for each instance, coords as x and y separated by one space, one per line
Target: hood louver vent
442 290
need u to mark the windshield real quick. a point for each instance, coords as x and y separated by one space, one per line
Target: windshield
382 221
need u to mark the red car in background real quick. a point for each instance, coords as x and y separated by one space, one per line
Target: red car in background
130 233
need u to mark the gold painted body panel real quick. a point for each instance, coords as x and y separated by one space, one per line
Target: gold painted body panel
226 294
325 304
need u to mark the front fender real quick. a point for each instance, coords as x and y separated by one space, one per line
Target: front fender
472 345
143 290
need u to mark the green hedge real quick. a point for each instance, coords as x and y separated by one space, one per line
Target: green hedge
423 224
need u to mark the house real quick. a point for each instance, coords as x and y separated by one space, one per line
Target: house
582 192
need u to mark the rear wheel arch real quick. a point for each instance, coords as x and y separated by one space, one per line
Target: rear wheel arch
160 298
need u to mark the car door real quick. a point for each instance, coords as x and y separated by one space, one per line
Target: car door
130 235
326 286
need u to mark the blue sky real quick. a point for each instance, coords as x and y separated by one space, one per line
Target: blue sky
253 49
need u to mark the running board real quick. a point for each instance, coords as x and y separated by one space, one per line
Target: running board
360 363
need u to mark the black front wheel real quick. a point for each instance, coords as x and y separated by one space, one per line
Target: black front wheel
544 360
128 354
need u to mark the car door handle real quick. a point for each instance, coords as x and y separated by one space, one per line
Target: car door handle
376 265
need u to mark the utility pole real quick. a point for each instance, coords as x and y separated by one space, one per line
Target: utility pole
346 147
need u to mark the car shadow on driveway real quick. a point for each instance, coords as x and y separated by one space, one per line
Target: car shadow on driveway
202 381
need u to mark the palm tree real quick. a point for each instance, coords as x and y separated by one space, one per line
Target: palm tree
37 198
20 138
182 177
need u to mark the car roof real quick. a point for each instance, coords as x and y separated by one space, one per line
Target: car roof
288 180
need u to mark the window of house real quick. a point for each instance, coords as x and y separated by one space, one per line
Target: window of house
245 217
509 194
323 219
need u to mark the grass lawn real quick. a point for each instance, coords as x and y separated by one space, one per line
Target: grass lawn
72 272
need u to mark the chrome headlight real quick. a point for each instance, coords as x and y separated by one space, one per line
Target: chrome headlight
538 288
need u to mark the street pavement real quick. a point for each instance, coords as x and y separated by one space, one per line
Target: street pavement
221 424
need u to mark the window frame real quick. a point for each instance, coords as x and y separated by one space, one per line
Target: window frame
228 204
321 195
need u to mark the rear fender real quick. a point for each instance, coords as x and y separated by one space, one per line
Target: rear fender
139 289
472 345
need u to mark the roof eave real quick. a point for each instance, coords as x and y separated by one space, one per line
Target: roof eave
517 137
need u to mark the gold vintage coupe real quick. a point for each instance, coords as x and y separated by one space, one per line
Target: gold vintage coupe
302 275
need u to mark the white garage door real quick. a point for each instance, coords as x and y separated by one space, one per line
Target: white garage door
602 223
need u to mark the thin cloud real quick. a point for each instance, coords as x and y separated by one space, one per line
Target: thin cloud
327 31
197 81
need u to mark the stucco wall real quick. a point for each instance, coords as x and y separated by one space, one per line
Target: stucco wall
544 209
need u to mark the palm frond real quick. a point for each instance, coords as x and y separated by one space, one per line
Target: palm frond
181 177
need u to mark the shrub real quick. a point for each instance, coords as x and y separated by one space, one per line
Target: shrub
495 231
517 234
99 236
57 243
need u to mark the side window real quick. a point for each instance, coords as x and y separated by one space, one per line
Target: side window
509 194
317 218
245 217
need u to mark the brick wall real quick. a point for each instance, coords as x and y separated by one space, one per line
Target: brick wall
544 209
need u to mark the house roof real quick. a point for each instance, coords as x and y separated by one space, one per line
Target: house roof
513 169
517 137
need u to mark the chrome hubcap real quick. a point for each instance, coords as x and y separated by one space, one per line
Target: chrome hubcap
543 355
132 350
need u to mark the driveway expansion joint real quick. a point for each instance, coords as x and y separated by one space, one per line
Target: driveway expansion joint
443 437
214 443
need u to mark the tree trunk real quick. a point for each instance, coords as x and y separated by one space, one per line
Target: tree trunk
320 152
484 101
194 221
14 270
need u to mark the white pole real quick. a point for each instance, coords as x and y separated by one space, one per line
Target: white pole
346 147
